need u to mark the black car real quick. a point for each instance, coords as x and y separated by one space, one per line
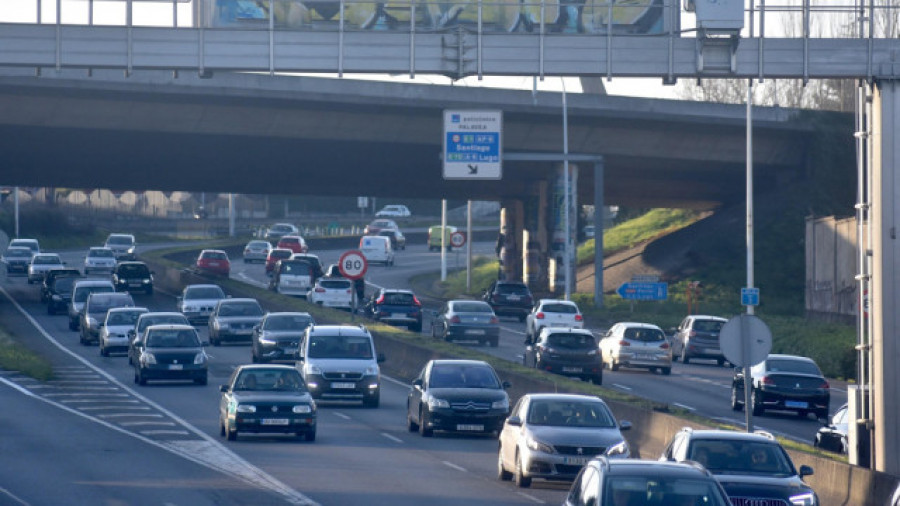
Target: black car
59 292
398 240
785 383
266 399
458 396
146 320
395 307
570 352
833 436
133 276
50 276
509 298
466 320
753 468
170 352
277 337
632 482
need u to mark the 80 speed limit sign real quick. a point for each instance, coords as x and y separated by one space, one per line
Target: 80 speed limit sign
353 264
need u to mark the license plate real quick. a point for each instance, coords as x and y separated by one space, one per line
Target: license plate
175 367
397 316
512 297
571 369
274 421
475 332
469 427
214 264
640 356
576 461
796 404
135 285
343 385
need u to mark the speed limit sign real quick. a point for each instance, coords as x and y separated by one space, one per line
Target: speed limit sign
353 264
458 239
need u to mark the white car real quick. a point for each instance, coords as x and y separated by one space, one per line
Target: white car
40 264
393 211
632 344
31 244
552 313
114 332
122 246
332 292
99 259
197 302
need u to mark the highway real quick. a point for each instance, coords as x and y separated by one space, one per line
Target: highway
361 456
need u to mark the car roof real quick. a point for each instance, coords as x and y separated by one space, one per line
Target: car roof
252 367
213 251
163 313
341 330
655 467
557 301
238 300
129 310
44 254
26 248
565 330
640 325
566 397
396 290
707 317
797 358
93 282
104 248
131 262
286 313
458 361
204 285
121 235
172 326
731 435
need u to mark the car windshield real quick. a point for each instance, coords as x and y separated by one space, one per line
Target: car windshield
240 309
569 413
792 366
259 244
120 240
103 303
288 322
64 284
214 255
281 228
46 260
644 335
101 253
723 456
335 284
398 299
463 376
132 270
355 347
471 307
161 320
708 325
296 268
82 292
514 289
624 490
258 379
18 252
559 308
281 253
204 292
122 317
173 338
571 341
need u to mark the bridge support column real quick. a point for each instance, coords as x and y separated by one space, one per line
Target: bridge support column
512 224
558 225
885 283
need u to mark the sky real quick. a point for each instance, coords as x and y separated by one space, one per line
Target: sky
112 12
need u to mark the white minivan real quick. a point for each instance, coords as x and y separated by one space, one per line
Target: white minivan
377 249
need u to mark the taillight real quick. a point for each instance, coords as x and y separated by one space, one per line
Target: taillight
455 319
349 291
319 289
494 319
380 299
624 343
416 301
579 318
539 316
766 380
825 386
664 346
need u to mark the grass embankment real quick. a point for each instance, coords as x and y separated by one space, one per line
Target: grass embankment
830 345
15 357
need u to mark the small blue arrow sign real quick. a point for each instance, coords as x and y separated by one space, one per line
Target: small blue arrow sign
749 296
644 291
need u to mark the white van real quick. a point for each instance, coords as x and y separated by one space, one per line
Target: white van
338 362
377 249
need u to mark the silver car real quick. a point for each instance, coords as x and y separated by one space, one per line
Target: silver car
197 301
552 436
99 259
40 264
257 250
122 246
632 344
114 331
234 320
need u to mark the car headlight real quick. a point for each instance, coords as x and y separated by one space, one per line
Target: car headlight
246 408
618 450
263 339
434 403
190 309
804 499
131 250
538 446
501 404
200 358
56 298
146 281
372 370
148 358
313 369
223 326
302 408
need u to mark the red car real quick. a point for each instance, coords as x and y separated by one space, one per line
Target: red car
214 261
295 243
274 256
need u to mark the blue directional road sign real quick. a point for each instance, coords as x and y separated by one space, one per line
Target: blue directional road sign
644 291
473 144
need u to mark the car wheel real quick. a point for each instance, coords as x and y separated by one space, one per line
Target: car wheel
736 404
103 351
756 403
721 362
613 365
597 380
230 434
310 436
423 425
410 424
502 473
203 380
684 356
522 481
666 371
72 325
221 428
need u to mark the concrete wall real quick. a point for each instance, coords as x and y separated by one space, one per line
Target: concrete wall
831 266
836 483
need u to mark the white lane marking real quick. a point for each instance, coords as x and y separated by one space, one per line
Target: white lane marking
208 453
392 438
341 415
684 406
12 496
135 424
81 394
85 401
130 415
394 381
513 331
623 387
531 498
454 466
96 408
165 432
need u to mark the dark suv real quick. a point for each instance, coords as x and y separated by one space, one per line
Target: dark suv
698 337
395 307
59 292
786 383
50 276
752 468
509 298
133 276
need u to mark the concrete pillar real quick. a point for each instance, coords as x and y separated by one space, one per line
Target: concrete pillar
885 284
512 225
557 224
598 232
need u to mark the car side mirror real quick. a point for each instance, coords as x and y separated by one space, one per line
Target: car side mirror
506 385
514 420
624 425
131 334
381 358
806 471
417 382
223 388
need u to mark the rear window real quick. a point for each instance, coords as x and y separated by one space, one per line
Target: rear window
240 309
82 292
399 299
281 253
559 308
708 325
571 341
122 317
512 289
472 307
214 255
334 284
133 270
101 253
204 292
799 366
351 347
119 240
103 302
64 283
644 335
288 322
170 338
46 260
296 268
